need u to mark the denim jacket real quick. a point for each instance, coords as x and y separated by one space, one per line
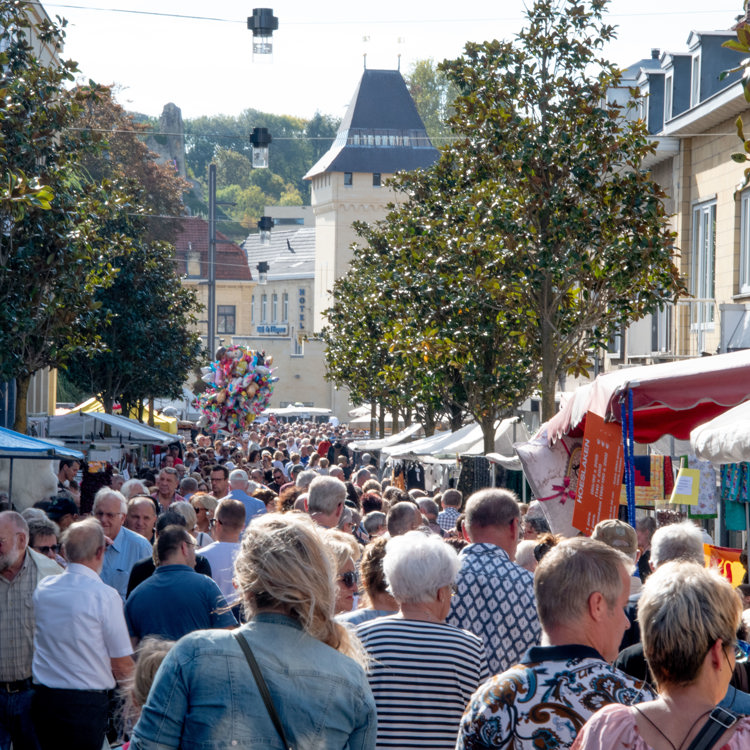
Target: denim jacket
205 696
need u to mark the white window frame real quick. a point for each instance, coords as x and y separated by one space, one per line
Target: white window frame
274 307
668 97
745 242
695 81
263 307
703 264
285 307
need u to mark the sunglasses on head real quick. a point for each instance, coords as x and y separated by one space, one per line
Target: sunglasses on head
350 580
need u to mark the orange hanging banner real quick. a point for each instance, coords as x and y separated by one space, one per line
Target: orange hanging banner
600 476
727 561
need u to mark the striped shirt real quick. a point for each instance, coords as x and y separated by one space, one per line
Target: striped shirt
422 676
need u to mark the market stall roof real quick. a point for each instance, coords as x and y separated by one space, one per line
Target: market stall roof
15 445
379 444
163 422
725 439
295 410
428 446
93 427
668 399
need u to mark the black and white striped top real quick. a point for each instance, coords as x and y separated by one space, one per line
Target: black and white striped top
422 676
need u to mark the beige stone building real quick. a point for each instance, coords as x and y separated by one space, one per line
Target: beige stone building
234 281
691 114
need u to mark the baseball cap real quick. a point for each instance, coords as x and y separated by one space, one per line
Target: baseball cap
617 534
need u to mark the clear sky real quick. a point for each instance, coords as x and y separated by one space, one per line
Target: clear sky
201 60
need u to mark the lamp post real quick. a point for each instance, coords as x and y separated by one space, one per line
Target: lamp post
262 23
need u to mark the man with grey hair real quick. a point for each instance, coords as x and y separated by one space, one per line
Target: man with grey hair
325 501
239 484
402 518
495 597
125 547
81 645
581 588
21 571
305 478
429 509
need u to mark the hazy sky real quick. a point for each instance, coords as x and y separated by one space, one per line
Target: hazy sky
202 60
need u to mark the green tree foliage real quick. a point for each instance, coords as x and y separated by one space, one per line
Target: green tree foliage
535 236
297 145
146 317
433 93
742 44
555 187
52 257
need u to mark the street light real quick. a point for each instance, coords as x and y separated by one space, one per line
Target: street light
262 23
265 225
263 267
260 139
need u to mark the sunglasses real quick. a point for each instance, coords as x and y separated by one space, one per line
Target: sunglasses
350 580
47 548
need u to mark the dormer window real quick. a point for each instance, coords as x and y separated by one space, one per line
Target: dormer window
668 98
348 179
695 81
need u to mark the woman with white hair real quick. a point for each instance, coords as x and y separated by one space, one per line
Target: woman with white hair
688 617
423 672
205 693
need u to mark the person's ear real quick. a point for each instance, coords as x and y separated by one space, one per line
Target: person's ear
716 655
597 605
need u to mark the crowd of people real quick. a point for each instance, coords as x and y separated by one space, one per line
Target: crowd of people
271 590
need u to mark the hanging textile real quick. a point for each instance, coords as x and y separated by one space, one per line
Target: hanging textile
654 480
707 496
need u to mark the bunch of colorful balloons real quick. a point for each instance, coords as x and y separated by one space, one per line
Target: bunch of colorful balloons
240 386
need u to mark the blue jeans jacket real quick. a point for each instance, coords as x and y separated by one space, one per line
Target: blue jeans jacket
204 695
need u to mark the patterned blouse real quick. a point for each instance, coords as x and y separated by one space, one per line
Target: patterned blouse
545 700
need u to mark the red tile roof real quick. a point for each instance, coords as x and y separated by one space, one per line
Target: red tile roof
231 262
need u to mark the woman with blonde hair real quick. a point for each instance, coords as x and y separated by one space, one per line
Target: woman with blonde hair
205 693
688 617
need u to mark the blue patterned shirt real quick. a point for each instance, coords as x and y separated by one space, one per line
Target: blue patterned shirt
495 600
545 700
447 518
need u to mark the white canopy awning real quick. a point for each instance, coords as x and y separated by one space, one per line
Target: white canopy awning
379 444
84 428
724 439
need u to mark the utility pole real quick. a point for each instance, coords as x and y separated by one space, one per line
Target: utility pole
211 260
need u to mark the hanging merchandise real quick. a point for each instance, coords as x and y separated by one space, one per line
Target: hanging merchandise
475 474
707 496
686 486
654 480
552 474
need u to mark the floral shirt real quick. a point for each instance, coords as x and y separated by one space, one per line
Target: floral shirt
495 600
545 700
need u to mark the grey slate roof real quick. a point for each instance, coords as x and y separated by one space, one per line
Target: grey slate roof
282 261
381 131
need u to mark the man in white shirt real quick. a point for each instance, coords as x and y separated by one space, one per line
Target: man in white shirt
81 646
229 522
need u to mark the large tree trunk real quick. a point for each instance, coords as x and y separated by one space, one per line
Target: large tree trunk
22 397
429 421
488 433
549 363
151 411
456 417
381 422
373 417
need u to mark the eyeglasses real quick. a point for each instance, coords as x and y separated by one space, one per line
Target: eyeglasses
45 549
741 650
350 579
454 589
101 514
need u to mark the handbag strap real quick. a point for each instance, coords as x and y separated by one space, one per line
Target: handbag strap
719 720
262 687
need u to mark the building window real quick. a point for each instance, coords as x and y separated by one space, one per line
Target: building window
668 99
252 309
695 87
225 319
348 178
274 307
193 262
285 307
263 307
298 346
745 243
376 179
702 275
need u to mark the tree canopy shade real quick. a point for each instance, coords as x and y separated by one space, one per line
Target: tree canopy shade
535 236
52 257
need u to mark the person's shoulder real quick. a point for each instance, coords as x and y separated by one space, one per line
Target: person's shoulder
45 566
629 690
136 540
